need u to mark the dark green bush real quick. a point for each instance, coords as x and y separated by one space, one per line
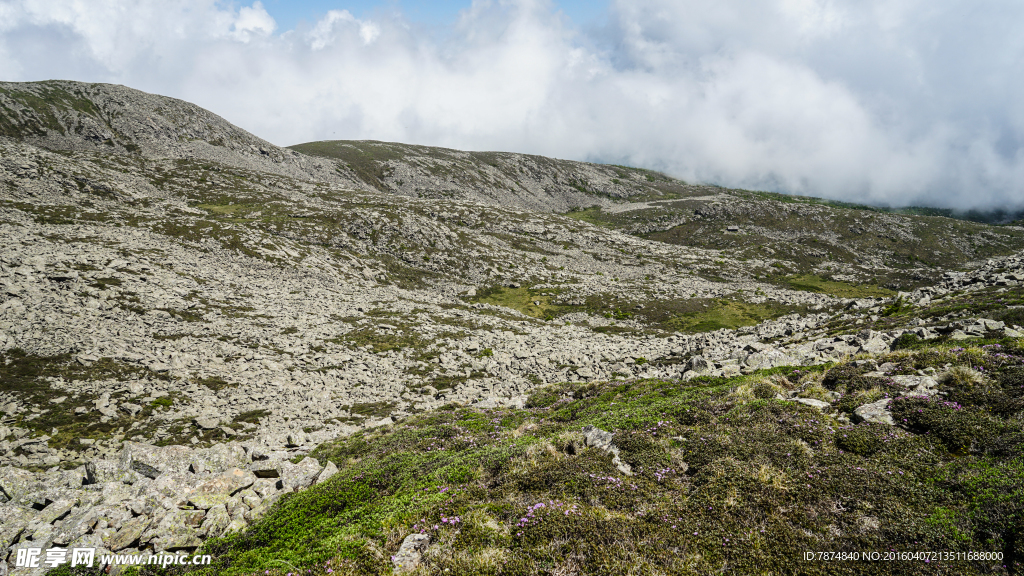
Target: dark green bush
642 452
963 429
847 378
907 341
864 439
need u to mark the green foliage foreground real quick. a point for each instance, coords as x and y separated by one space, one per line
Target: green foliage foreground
726 481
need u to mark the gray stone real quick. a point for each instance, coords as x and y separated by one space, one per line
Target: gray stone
874 346
602 440
152 461
874 412
387 421
918 385
266 469
13 521
14 482
698 364
216 491
215 522
329 470
175 531
769 359
814 403
207 422
301 475
410 553
129 533
103 471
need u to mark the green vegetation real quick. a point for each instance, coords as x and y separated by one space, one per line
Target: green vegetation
723 475
26 376
722 313
401 338
523 299
812 283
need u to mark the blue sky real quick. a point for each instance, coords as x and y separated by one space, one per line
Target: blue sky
289 13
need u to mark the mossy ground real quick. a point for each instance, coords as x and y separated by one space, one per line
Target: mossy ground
688 315
812 283
727 480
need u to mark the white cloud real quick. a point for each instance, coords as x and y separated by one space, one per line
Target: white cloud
252 21
897 101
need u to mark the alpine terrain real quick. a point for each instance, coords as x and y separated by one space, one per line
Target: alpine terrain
359 357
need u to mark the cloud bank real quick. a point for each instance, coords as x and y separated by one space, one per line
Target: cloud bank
882 101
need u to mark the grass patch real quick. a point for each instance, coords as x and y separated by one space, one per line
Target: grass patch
534 303
812 283
725 314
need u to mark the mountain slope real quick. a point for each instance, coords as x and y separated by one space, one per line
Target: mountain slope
791 237
174 308
499 178
65 115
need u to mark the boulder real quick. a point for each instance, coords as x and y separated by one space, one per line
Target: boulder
218 458
103 471
175 531
918 385
129 533
215 522
207 422
814 403
329 470
698 364
301 475
13 521
14 482
410 553
874 346
602 440
266 468
152 461
769 358
874 412
216 491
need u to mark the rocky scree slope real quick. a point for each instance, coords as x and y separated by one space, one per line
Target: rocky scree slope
78 116
203 295
791 236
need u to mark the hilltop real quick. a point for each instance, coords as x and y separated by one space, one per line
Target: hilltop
180 299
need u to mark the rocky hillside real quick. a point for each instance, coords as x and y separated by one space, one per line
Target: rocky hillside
187 312
800 237
496 178
108 118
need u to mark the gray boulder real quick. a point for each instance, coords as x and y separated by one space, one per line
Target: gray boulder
814 403
14 482
152 461
410 553
874 412
129 533
602 440
301 475
698 364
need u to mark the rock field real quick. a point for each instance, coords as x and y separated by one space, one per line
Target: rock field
186 310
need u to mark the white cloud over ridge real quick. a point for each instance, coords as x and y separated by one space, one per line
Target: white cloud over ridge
882 101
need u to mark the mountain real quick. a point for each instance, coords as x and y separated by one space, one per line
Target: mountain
195 324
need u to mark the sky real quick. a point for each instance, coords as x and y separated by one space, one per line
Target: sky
890 102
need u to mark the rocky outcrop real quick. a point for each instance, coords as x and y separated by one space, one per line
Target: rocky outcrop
150 499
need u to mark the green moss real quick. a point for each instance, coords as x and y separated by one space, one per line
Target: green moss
812 283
